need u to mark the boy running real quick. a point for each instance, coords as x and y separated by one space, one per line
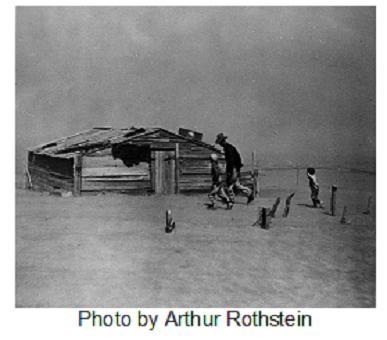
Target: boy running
217 189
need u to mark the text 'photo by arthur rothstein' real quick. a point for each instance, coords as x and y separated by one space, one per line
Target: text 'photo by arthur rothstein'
195 157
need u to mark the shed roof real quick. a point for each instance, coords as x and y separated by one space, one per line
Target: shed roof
99 138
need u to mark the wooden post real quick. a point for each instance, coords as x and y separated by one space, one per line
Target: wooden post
264 219
343 219
287 205
168 217
274 208
152 170
177 168
170 225
28 179
333 200
77 174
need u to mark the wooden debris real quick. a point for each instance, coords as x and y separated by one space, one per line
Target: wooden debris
169 222
273 210
333 200
287 205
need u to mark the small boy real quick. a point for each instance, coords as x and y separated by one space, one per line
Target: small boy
314 187
217 185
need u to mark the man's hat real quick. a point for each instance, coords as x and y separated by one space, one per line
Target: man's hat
220 137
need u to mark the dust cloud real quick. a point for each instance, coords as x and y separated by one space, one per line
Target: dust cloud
295 84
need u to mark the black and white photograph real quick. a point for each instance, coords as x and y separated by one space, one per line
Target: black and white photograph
203 157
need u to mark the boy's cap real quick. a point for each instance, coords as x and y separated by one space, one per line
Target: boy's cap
220 137
214 157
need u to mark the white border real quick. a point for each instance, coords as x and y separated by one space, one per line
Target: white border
62 323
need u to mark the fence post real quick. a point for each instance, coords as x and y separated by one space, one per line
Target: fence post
265 219
28 179
333 200
287 205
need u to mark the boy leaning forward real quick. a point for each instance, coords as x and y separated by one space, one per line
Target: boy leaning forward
217 189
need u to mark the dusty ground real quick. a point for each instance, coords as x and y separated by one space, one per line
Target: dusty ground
112 251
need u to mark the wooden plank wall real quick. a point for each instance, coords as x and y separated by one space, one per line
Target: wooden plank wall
50 173
195 168
101 172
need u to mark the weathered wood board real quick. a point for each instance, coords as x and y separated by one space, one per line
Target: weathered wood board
52 164
41 178
115 185
164 167
102 161
114 172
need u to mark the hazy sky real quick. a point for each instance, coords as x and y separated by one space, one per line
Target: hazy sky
295 84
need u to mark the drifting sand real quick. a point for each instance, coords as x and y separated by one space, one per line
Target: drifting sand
112 251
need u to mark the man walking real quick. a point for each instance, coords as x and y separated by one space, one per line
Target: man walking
233 169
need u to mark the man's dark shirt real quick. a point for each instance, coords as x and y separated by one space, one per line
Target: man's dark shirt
233 158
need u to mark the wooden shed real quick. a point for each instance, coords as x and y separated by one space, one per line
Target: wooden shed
130 160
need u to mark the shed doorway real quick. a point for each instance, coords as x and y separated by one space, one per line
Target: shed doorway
164 172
